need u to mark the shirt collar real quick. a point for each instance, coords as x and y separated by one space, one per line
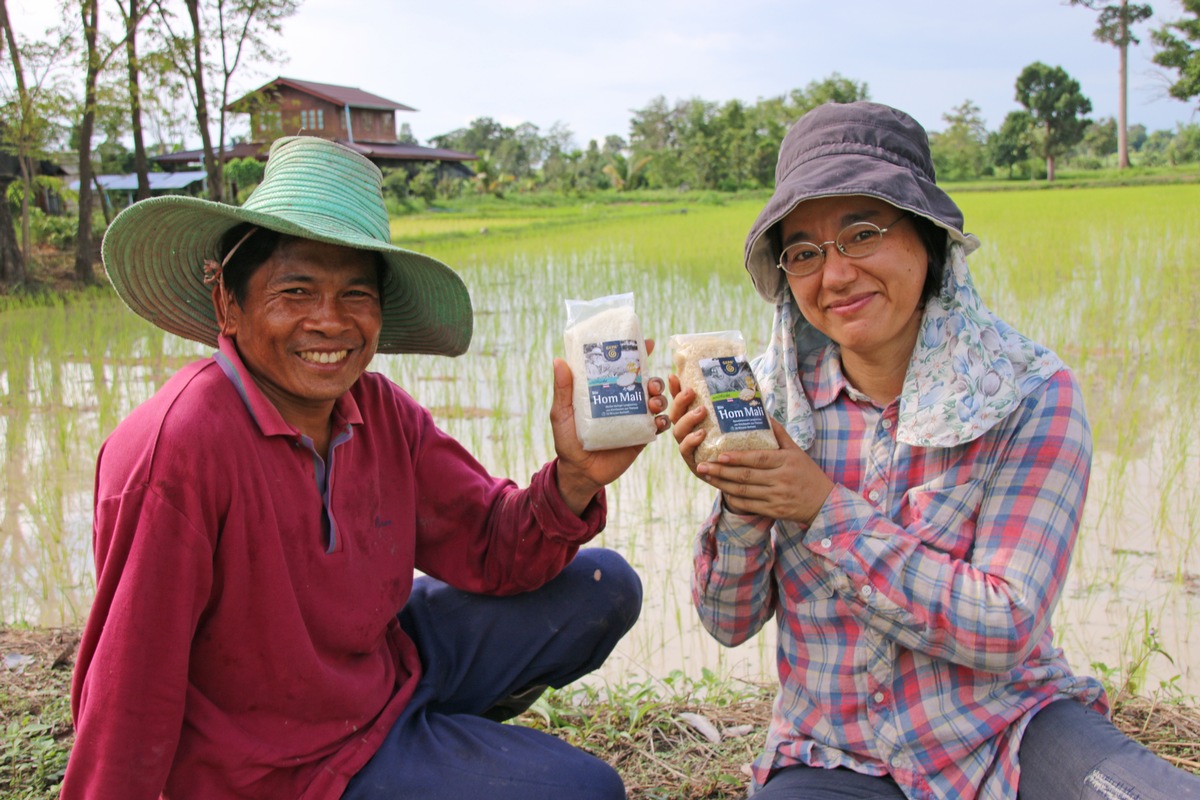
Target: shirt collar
824 380
262 410
822 376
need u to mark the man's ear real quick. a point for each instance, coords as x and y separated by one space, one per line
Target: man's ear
223 303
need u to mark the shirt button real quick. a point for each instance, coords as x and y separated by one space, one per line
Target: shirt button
887 424
827 543
873 495
866 591
879 697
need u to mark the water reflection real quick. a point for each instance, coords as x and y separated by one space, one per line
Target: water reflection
67 376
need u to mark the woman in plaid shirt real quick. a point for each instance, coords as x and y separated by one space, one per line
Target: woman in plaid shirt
912 534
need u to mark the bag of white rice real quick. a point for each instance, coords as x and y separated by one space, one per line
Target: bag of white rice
606 354
714 366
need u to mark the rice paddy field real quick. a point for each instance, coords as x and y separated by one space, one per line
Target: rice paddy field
1107 277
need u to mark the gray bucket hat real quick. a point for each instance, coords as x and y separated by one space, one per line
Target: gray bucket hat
842 149
155 250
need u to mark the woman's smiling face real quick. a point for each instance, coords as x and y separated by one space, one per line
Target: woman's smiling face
870 306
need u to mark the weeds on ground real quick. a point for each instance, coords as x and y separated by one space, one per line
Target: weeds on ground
672 738
35 711
675 738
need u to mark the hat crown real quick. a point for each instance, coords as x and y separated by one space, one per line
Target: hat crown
323 187
861 128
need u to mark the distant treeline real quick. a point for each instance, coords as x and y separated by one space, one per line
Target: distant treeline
730 146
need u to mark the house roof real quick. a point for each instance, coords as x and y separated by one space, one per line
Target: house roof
387 151
382 153
10 167
239 150
159 181
338 95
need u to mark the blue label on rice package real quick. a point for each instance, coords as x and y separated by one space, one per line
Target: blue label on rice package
614 373
734 394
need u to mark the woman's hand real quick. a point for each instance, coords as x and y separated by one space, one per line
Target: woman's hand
783 484
685 424
583 473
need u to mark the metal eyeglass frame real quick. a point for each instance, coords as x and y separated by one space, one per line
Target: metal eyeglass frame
818 263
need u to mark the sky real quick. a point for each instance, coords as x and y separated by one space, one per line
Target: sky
589 65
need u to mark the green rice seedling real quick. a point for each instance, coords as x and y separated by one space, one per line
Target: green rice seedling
1105 277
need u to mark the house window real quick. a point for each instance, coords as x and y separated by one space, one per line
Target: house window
312 120
268 121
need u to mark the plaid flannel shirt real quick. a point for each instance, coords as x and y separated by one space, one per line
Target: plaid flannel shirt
913 614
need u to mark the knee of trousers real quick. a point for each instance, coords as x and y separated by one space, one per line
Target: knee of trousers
619 586
596 780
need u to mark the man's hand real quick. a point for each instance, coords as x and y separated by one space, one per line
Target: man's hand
581 474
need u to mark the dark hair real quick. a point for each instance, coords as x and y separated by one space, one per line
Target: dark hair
933 238
256 250
936 241
253 253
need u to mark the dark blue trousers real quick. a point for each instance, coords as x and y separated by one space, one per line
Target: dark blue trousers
476 650
1068 752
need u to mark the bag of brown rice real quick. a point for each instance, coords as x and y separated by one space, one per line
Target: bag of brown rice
606 353
714 366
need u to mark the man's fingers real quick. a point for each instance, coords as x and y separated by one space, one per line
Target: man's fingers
563 388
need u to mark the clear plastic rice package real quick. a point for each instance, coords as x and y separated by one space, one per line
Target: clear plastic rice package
714 366
607 355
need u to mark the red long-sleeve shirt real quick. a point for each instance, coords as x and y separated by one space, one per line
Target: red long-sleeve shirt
243 641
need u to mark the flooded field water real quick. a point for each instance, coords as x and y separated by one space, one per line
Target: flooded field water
1110 279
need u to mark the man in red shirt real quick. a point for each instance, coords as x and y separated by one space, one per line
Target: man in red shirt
257 630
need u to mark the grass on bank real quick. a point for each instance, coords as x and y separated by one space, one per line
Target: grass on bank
674 738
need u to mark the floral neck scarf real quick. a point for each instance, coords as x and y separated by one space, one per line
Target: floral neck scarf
968 371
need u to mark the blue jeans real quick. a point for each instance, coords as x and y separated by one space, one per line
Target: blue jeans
476 650
1068 752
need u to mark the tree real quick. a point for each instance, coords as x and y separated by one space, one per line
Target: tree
482 135
834 89
652 132
31 115
1101 138
94 63
132 18
703 144
1010 145
1114 27
1137 137
960 151
625 172
782 112
98 52
1175 53
736 139
90 11
11 263
405 135
1185 148
697 136
1057 105
238 29
242 174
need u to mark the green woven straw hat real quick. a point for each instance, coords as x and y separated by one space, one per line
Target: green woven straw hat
154 251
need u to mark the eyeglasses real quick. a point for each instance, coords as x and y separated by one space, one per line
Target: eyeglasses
856 240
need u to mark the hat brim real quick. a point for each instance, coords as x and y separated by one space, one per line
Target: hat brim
154 253
838 175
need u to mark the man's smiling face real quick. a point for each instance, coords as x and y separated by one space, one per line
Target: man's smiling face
309 325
